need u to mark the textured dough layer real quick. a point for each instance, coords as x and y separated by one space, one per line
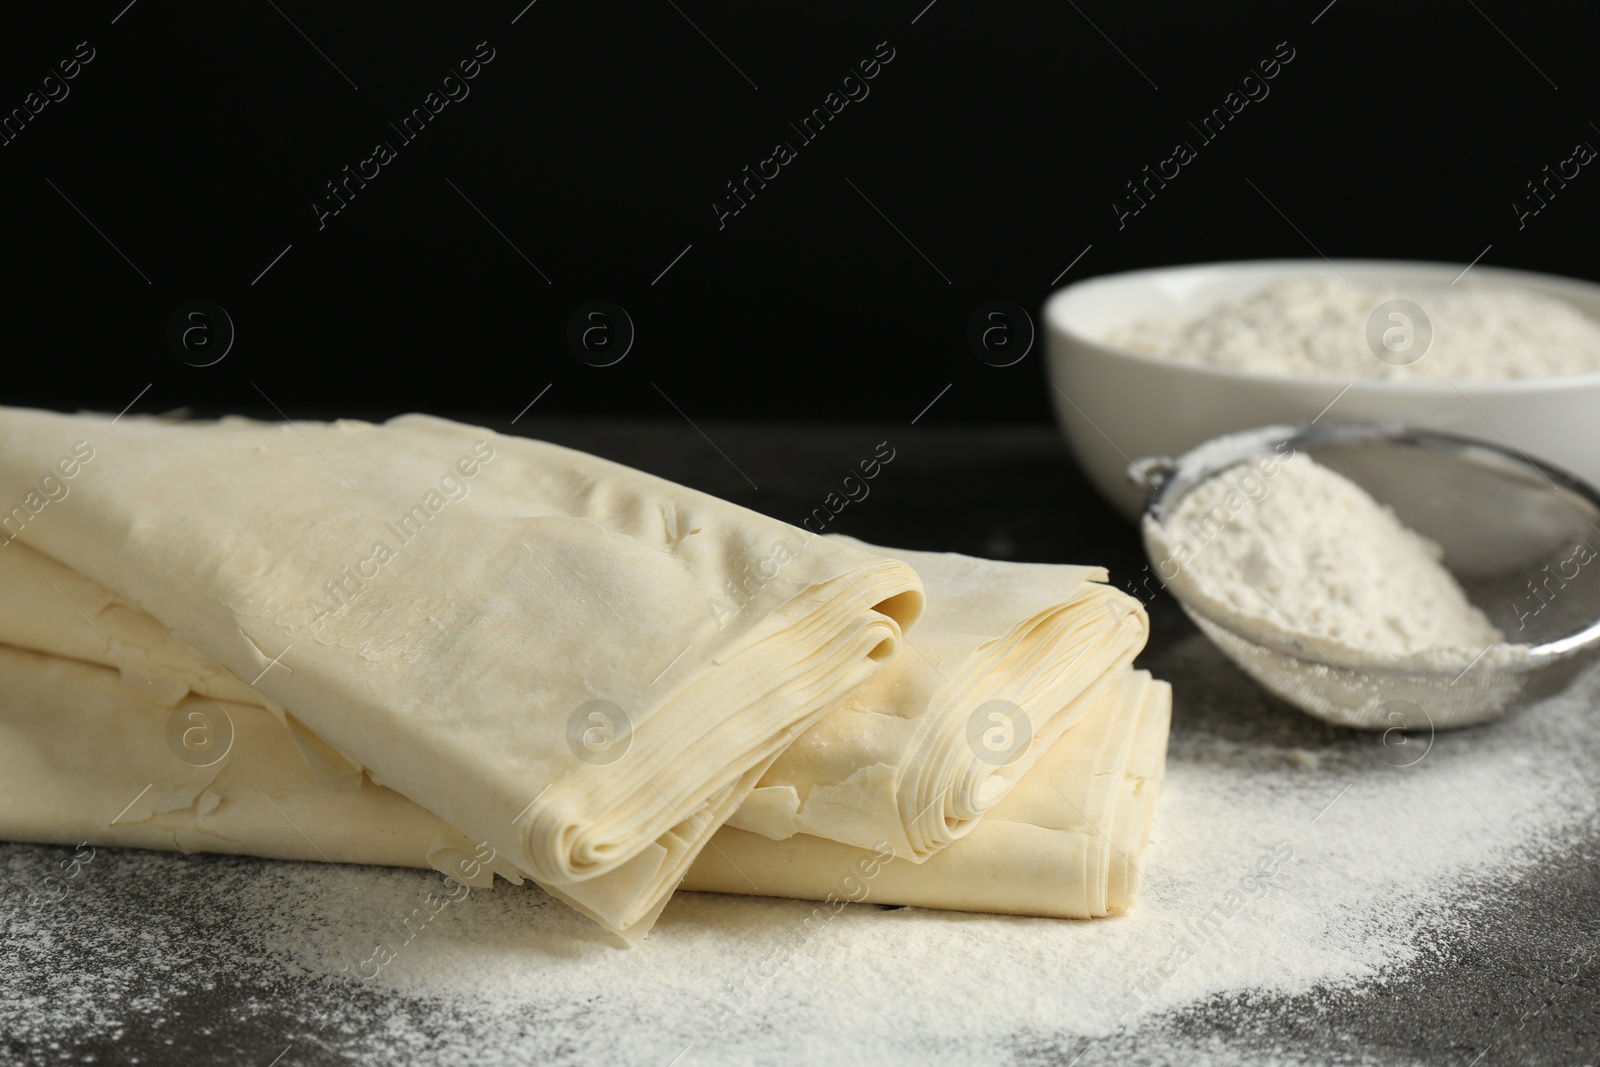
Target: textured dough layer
989 681
450 608
85 758
1065 842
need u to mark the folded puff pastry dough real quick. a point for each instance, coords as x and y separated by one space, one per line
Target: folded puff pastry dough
1065 842
988 682
443 606
84 757
895 763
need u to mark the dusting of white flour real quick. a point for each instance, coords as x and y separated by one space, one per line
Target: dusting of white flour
1268 876
1318 326
1310 553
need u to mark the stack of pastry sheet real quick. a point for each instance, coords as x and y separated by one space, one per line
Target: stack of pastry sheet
404 639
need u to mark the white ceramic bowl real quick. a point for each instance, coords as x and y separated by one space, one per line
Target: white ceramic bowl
1117 406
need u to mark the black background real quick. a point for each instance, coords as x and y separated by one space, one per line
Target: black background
199 136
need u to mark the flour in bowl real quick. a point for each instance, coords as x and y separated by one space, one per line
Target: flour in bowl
1315 326
1306 553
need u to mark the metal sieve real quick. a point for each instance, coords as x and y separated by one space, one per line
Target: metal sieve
1522 539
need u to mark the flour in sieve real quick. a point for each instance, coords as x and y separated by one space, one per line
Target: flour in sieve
1307 555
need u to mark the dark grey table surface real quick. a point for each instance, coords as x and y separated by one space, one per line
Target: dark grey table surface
1520 988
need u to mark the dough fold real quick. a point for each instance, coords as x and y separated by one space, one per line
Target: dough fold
530 642
782 697
1065 842
913 758
85 758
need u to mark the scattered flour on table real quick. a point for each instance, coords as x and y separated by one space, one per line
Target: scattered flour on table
1310 553
1317 326
1268 875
